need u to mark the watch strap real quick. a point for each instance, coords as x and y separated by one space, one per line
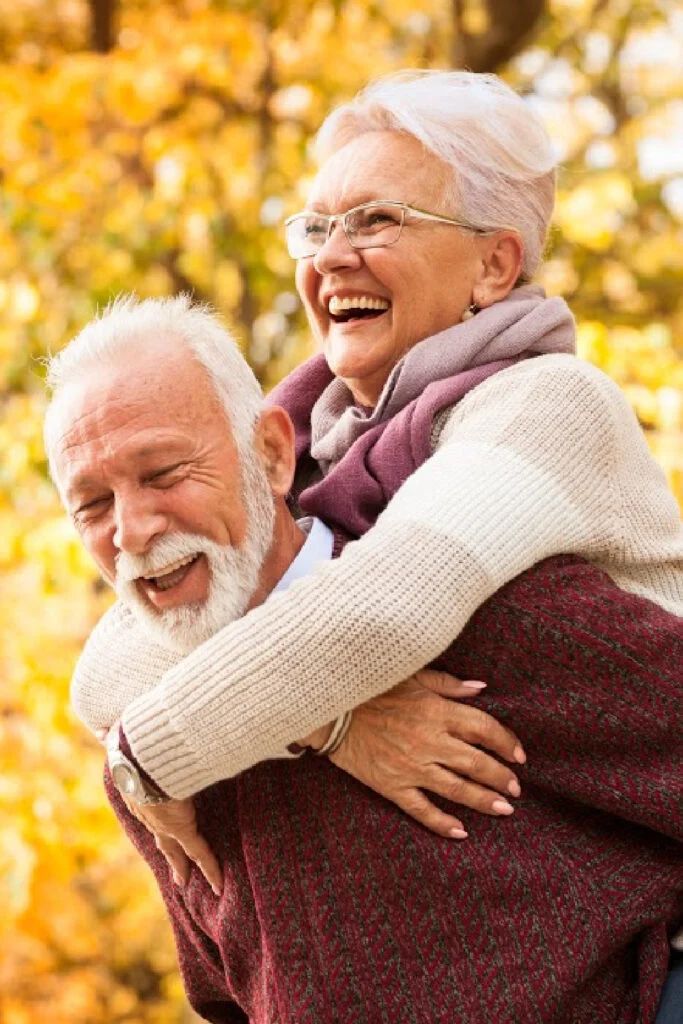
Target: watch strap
118 747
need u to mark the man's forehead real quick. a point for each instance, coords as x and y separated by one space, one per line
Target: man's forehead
140 388
147 444
89 415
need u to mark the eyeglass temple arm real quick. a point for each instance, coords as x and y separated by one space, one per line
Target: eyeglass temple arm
457 223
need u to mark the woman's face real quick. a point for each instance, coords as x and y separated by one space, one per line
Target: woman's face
426 278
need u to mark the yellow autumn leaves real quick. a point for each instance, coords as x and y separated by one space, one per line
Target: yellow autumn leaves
169 164
81 931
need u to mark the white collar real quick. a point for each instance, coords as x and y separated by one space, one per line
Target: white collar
316 548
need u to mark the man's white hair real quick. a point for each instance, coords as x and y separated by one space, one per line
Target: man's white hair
127 322
500 156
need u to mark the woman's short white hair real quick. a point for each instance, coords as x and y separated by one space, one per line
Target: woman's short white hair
501 158
126 322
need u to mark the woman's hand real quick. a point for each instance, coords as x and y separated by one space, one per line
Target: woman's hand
413 738
174 827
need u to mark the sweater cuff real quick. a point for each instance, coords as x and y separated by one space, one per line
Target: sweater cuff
162 755
126 750
160 750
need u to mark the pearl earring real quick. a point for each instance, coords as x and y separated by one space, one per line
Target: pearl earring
471 311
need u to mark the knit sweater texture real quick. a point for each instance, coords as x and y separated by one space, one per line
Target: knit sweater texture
542 458
337 907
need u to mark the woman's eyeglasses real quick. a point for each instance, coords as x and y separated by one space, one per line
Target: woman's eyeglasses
371 225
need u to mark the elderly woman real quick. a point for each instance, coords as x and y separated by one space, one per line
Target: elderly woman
423 228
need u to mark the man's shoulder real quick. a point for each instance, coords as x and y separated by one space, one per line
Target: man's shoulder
566 602
570 594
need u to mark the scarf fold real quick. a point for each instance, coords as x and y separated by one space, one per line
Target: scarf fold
524 324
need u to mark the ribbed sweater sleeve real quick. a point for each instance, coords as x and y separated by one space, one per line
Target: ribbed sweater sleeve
528 465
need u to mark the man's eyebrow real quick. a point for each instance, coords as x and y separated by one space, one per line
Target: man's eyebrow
160 447
83 482
82 488
155 452
170 453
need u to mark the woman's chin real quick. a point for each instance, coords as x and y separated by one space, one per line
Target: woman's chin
365 378
358 355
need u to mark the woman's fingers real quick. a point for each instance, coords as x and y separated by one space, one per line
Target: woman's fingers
176 858
463 791
181 852
419 807
174 827
476 726
199 851
448 686
416 740
467 722
479 767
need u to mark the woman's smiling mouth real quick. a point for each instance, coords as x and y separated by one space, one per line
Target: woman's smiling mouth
356 307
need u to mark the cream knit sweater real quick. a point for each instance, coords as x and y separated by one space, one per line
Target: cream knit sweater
543 458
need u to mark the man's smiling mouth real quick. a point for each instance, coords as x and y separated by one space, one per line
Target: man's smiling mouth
172 574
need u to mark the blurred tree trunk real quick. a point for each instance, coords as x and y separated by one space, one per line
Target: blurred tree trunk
488 33
102 15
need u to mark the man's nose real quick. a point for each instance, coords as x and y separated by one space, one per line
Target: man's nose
337 252
138 522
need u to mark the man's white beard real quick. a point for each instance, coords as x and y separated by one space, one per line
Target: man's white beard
233 572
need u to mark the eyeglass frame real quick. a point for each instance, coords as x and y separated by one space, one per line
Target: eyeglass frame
405 208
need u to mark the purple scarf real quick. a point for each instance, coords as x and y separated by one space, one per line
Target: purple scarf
357 451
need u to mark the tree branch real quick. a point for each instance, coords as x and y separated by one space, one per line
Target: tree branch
510 25
102 14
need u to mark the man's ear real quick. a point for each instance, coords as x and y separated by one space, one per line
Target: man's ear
274 445
501 267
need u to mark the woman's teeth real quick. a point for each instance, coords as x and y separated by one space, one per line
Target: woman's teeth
337 305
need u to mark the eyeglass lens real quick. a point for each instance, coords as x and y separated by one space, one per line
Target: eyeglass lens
374 224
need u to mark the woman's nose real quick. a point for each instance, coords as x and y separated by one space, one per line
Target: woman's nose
336 253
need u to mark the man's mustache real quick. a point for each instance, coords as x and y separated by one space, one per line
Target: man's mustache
167 550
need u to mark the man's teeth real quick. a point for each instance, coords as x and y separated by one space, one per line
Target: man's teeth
171 578
173 567
337 305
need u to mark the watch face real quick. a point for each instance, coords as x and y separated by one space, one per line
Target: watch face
124 779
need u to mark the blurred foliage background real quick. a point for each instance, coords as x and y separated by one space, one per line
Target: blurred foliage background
156 145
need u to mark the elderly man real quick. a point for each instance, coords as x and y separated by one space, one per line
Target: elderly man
333 906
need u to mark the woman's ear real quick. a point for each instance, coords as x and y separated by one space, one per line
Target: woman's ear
502 264
274 444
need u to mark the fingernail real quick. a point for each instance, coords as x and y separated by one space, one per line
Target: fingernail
458 833
177 879
519 755
514 788
502 807
216 891
473 684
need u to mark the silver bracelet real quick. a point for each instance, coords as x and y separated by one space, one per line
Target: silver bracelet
337 736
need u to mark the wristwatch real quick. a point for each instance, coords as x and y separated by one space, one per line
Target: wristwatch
127 776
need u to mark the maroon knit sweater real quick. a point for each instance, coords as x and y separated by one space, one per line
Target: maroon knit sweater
339 909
